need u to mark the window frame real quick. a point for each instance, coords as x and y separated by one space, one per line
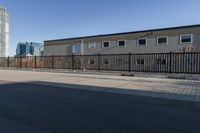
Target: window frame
74 49
91 43
90 61
103 63
102 44
125 43
162 37
186 42
161 61
138 40
139 61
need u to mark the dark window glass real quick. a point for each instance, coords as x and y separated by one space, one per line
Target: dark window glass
161 62
121 43
91 61
106 44
162 40
140 61
105 61
142 41
186 39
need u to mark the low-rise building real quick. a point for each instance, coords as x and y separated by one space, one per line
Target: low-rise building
175 39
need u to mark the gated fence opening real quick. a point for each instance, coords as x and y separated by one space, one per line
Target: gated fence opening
148 62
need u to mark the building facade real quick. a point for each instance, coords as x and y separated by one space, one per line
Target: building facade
176 39
22 48
36 49
29 49
4 32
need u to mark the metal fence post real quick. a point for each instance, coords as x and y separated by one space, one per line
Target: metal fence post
8 61
99 62
170 62
72 61
20 61
35 62
52 58
129 62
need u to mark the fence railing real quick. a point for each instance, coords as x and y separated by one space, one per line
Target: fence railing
149 62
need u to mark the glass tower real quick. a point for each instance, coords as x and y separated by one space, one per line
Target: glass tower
29 48
4 32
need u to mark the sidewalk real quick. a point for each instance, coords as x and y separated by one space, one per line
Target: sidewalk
112 73
154 86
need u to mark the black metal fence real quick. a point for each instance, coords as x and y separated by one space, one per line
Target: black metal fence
149 62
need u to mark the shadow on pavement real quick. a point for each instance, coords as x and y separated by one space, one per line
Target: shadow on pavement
121 90
44 107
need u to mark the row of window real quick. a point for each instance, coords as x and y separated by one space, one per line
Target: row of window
138 62
159 61
106 44
188 38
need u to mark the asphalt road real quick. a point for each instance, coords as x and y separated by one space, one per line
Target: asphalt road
31 108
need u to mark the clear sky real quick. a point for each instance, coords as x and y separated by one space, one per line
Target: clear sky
39 20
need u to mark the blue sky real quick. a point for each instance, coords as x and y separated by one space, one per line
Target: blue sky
39 20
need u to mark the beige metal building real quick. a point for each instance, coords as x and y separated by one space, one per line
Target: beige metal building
175 39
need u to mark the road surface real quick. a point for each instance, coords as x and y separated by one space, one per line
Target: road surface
32 108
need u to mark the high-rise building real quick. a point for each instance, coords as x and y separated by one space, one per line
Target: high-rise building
22 48
36 48
29 48
4 32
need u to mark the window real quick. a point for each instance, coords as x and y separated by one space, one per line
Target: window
142 41
76 48
186 38
140 61
91 45
105 44
161 61
162 40
121 62
121 43
105 61
91 61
